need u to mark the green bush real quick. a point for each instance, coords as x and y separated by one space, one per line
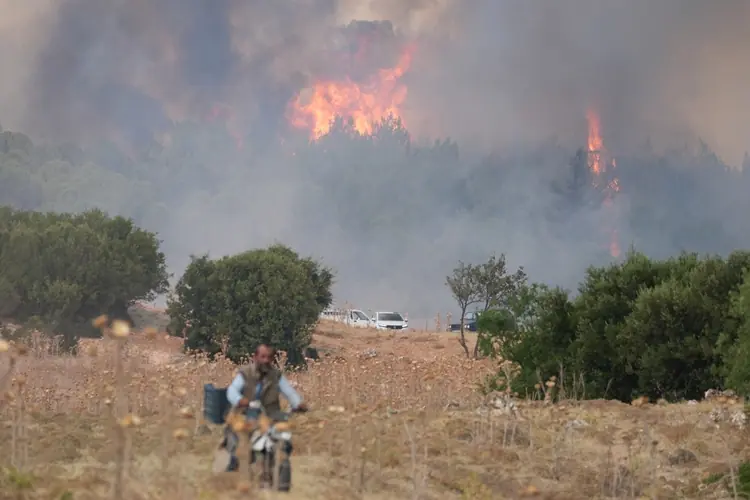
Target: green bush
736 368
66 269
261 296
536 332
671 328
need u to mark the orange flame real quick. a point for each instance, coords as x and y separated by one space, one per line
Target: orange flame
596 145
365 105
597 164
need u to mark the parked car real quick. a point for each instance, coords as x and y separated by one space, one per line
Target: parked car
470 323
358 318
351 317
389 320
333 314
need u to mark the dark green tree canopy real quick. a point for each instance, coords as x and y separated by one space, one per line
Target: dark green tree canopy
672 328
66 269
234 303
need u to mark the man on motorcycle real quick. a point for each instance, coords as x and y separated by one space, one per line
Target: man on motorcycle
260 381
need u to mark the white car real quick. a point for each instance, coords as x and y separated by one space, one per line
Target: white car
332 314
358 318
390 321
351 317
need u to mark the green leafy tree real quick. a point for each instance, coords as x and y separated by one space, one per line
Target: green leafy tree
536 331
488 285
462 284
658 328
605 300
736 369
66 269
671 340
666 343
495 287
234 303
670 328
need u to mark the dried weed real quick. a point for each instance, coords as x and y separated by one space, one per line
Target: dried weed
393 417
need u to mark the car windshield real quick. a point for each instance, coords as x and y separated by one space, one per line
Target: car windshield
361 315
389 317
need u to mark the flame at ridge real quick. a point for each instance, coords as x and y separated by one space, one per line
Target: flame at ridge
602 174
595 144
365 104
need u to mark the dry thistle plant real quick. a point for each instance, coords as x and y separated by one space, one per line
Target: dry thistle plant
119 331
6 349
548 389
181 435
15 399
19 441
402 422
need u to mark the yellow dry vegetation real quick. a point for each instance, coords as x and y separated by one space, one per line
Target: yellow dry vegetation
393 416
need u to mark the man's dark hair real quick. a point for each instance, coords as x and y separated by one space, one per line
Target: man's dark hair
270 348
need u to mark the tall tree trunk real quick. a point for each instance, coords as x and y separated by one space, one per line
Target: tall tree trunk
462 338
476 345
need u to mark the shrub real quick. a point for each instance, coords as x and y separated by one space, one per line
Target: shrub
536 332
66 269
736 368
671 328
261 296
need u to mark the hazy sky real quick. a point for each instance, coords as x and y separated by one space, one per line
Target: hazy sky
487 73
490 71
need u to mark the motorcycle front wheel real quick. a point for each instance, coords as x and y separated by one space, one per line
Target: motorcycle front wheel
262 464
285 475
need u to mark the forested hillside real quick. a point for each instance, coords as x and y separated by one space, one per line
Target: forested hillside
375 206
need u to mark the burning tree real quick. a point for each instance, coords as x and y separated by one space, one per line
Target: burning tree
603 177
363 96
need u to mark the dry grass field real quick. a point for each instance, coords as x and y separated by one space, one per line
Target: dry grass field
393 416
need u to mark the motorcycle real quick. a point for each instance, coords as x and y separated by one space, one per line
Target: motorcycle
268 444
270 437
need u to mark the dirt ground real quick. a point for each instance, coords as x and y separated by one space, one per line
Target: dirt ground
393 416
332 337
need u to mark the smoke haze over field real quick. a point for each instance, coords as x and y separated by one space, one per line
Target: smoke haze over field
499 76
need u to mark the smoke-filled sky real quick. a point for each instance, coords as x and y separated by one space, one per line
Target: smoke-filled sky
491 71
490 74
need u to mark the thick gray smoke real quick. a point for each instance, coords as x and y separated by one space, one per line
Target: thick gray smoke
494 75
521 70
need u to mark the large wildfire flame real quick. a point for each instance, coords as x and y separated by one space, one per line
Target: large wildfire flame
603 176
365 104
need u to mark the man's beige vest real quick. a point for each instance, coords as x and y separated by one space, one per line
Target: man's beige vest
269 394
